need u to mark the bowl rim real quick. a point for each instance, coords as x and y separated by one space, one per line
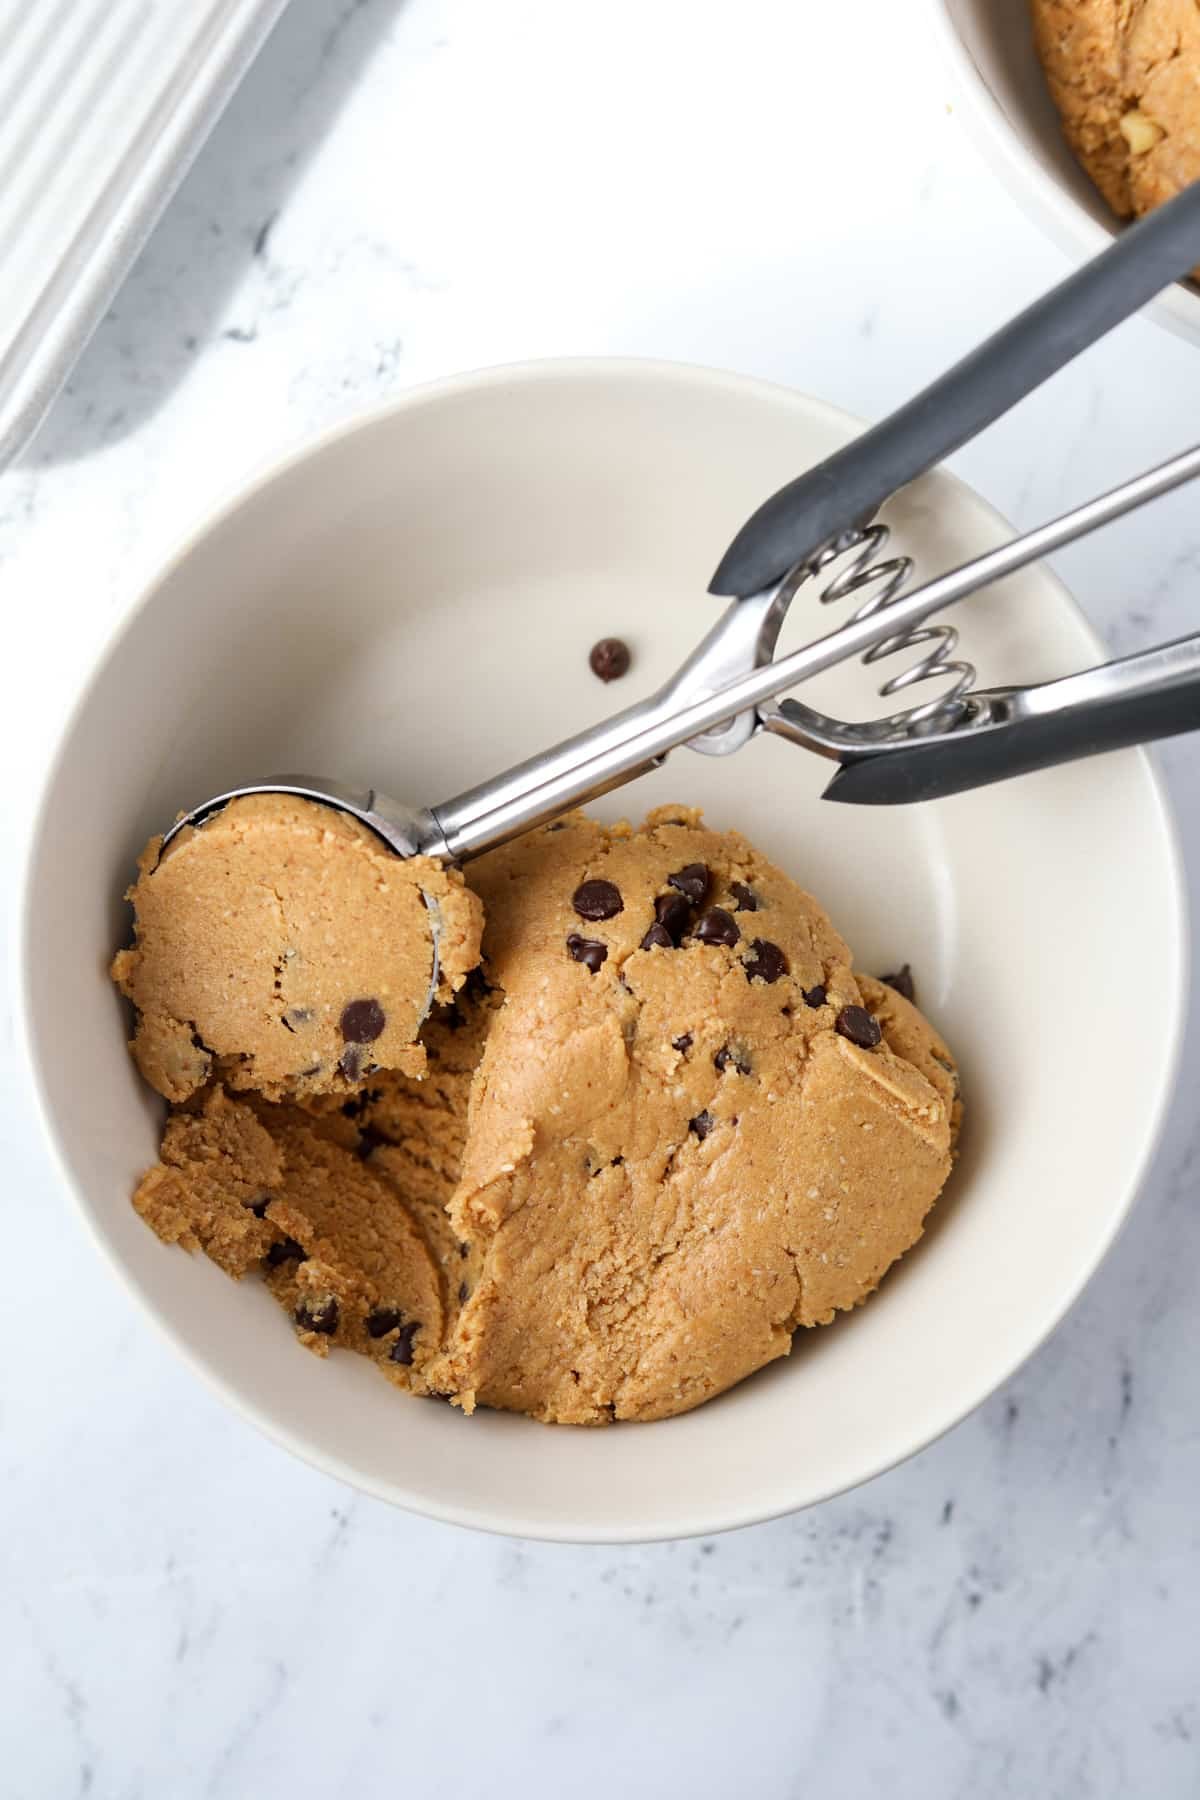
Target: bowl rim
1068 224
307 1448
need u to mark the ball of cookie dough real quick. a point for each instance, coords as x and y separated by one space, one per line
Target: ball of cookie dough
692 1130
282 947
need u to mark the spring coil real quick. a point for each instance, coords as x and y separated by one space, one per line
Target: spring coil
885 579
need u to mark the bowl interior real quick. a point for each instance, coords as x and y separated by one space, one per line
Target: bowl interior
412 604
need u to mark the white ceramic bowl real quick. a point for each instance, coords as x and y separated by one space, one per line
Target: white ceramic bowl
1007 107
411 601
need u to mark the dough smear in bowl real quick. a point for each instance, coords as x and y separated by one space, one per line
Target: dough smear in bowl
663 1127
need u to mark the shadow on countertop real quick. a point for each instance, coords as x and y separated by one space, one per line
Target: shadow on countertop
218 222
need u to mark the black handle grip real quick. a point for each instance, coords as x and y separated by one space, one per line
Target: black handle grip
974 759
849 487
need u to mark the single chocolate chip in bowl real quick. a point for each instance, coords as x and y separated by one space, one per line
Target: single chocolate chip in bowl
286 1250
323 1317
702 1124
747 899
691 881
728 1057
587 951
683 1043
402 1350
766 961
362 1021
597 900
815 996
716 926
856 1023
902 980
610 659
383 1320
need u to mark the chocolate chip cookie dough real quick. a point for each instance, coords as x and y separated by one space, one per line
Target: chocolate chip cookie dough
283 948
665 1129
1126 80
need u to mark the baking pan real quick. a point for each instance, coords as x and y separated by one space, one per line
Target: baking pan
103 106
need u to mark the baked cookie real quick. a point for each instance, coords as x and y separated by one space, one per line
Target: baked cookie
283 948
1126 81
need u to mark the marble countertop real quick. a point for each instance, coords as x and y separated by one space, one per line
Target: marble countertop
401 190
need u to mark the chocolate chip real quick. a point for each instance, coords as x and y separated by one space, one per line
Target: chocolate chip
286 1250
815 996
766 961
716 926
464 1250
610 659
383 1320
353 1062
856 1023
322 1318
362 1021
463 1291
657 938
358 1103
673 913
597 900
902 981
402 1350
728 1057
258 1207
369 1138
587 951
682 1044
296 1016
692 882
747 899
702 1124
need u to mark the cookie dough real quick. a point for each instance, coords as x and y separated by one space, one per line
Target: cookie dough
283 948
1126 80
670 1128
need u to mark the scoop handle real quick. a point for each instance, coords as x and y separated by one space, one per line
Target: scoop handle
849 487
1138 700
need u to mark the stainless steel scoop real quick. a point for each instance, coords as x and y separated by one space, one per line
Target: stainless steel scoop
818 534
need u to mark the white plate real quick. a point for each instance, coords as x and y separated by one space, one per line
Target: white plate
411 602
1007 106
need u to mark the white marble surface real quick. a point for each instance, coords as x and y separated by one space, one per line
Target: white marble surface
400 190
